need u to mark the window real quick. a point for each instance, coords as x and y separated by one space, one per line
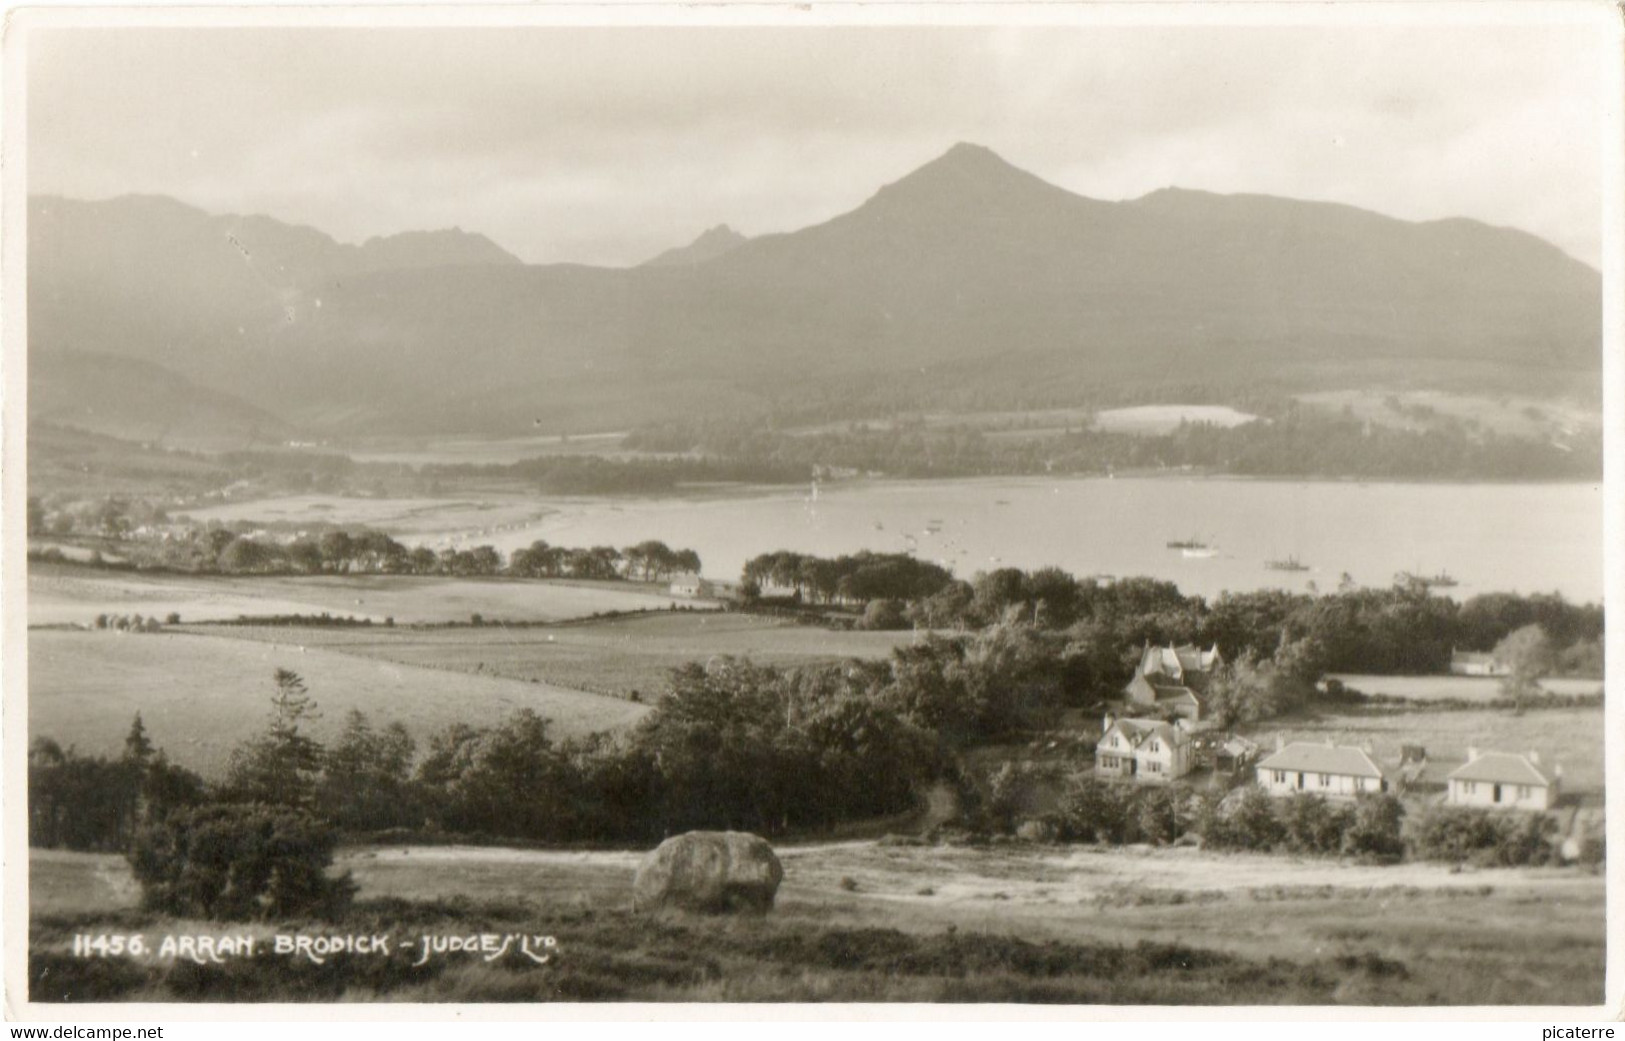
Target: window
1280 776
1523 791
1154 767
1324 780
1471 787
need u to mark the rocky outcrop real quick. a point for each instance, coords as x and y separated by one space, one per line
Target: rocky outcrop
712 871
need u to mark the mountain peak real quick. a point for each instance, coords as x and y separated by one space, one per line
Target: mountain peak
712 243
970 157
968 178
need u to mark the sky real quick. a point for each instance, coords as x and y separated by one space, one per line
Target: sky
608 145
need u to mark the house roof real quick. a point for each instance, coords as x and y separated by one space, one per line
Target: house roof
1176 661
1501 768
1139 730
1323 759
1171 692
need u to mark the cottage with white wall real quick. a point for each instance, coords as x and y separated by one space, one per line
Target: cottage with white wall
1337 772
689 585
1503 780
1146 750
1472 663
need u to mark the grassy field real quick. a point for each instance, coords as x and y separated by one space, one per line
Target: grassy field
1448 688
201 695
1571 737
610 656
867 921
69 595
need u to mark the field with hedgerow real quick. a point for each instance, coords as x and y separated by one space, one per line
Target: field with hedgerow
614 656
65 594
202 695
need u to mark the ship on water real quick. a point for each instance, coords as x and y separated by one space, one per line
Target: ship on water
1187 544
1291 563
1441 580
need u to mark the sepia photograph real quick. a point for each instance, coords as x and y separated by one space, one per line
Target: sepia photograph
1074 505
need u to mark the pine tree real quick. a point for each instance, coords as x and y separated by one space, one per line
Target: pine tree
137 746
281 766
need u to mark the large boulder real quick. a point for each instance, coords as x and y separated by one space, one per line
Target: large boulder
708 871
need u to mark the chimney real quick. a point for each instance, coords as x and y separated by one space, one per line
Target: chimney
1107 724
1534 757
1280 743
1472 753
1368 748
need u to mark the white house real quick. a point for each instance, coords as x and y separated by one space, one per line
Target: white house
1503 780
690 585
1473 663
1337 772
1145 750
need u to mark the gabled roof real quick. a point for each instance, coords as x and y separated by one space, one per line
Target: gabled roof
687 578
1177 661
1501 768
1323 759
1139 731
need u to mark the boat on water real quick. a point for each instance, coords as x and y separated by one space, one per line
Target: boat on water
1441 580
1291 563
1187 544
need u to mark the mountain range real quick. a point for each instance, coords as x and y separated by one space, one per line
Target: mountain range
967 272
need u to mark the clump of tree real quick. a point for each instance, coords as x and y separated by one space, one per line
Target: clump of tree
93 803
258 847
1096 810
851 579
239 861
244 550
1488 838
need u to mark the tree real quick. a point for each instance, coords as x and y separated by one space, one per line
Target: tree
366 777
1376 827
1094 810
1313 825
884 614
281 766
337 548
1253 824
228 862
137 746
245 554
1529 654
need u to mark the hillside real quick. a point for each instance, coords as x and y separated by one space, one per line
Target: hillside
966 273
141 401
